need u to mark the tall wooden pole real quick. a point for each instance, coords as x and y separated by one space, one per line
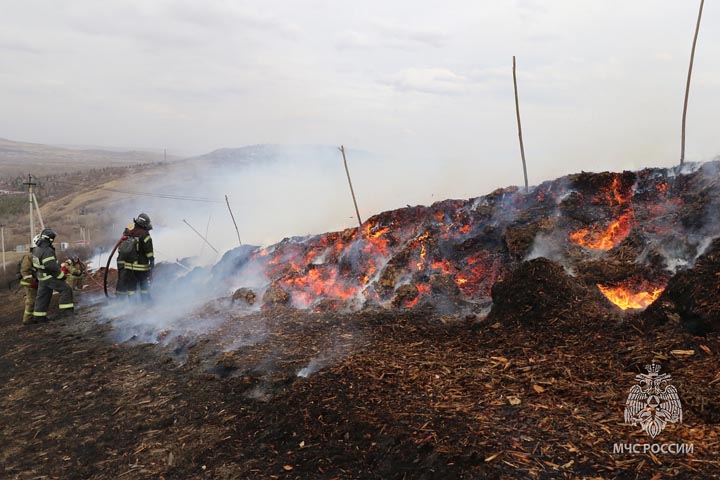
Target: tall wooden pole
687 85
233 219
352 192
517 113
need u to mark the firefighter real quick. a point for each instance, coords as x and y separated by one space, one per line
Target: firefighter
50 277
75 270
137 258
28 280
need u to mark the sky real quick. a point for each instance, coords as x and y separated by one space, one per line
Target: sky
427 85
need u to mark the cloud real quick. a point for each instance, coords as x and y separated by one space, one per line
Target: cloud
385 35
439 81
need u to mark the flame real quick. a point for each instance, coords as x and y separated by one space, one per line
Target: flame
421 263
318 283
598 238
423 289
624 298
465 229
443 265
413 302
376 242
607 238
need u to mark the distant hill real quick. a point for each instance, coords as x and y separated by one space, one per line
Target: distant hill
264 154
20 158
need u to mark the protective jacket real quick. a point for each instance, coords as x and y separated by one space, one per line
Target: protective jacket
45 262
145 254
27 271
76 269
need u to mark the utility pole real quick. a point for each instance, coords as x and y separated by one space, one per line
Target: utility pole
2 234
352 192
687 85
37 209
30 185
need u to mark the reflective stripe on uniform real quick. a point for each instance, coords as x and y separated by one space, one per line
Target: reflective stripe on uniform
44 276
61 276
138 267
63 306
40 314
24 283
28 313
147 239
151 254
45 260
27 276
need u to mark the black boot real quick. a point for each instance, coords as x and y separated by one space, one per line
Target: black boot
65 313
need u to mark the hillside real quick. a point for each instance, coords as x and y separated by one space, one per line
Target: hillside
65 178
370 353
21 158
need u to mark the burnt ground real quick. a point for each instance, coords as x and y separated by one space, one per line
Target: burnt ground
402 394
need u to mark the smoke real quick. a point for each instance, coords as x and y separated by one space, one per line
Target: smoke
281 191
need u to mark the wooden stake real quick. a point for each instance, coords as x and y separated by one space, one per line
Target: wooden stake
352 192
233 219
200 235
517 112
687 85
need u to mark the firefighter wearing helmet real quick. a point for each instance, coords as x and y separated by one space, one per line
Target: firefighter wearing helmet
136 259
75 269
28 279
50 277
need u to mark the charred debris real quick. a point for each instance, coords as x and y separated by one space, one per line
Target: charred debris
583 246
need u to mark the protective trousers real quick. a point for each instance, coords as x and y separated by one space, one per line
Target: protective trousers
131 281
44 295
30 296
75 281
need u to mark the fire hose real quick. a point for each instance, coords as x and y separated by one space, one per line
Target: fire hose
107 267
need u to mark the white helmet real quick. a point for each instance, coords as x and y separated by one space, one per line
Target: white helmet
36 239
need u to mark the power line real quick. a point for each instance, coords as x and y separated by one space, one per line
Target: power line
148 194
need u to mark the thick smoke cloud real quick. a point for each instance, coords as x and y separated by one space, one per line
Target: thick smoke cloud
276 192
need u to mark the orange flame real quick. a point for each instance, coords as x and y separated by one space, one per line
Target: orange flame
598 238
443 265
423 289
626 299
607 238
421 263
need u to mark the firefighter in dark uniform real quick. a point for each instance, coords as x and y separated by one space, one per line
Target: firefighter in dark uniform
137 265
50 277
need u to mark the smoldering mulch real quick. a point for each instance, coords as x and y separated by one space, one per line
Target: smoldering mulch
388 394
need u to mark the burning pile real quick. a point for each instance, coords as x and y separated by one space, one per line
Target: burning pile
621 235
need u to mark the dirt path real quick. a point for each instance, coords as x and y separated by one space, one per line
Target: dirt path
412 396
